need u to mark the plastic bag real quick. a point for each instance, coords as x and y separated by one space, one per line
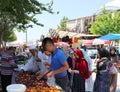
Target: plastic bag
51 82
113 69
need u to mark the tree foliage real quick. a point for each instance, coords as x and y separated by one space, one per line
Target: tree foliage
63 25
9 36
22 12
19 14
107 22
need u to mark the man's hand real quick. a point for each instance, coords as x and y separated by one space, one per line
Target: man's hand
14 65
39 77
47 64
38 60
51 74
37 73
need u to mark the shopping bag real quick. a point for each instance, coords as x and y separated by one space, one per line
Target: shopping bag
113 69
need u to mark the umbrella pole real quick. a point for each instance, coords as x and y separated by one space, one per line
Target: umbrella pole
96 55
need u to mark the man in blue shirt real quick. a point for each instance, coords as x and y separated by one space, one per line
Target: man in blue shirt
59 64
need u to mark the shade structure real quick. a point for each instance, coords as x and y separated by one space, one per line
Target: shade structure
88 43
110 37
96 42
61 44
17 43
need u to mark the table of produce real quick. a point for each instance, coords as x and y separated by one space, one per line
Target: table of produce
34 85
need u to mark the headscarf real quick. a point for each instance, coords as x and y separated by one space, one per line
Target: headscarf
32 47
80 54
113 48
87 58
82 64
70 52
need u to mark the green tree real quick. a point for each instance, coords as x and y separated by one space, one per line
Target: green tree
9 36
6 29
107 22
62 25
20 14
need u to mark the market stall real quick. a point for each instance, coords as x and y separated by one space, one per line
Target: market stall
32 83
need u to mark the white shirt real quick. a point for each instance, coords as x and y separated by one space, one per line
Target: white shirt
32 65
44 59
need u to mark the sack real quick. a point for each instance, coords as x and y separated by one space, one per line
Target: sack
83 68
113 69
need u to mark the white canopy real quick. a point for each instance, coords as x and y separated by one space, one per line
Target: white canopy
16 43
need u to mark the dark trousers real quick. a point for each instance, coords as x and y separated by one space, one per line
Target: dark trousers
63 82
5 81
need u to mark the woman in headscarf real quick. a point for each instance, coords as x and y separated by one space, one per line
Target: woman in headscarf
70 62
78 80
89 81
114 60
102 82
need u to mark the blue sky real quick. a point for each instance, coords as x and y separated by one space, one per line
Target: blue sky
71 8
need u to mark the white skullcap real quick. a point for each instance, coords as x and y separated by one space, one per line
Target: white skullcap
32 47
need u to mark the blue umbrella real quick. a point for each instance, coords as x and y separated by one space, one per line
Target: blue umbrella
110 37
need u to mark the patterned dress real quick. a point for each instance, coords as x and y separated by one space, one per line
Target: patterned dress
102 82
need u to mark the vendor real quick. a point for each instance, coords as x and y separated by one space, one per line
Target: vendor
46 64
7 66
36 63
33 63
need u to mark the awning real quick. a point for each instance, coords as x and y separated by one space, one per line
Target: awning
110 37
96 42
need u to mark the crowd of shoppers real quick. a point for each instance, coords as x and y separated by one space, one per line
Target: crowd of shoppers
71 68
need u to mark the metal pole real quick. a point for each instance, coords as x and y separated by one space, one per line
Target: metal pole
26 37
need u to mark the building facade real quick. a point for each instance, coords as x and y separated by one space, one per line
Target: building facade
80 25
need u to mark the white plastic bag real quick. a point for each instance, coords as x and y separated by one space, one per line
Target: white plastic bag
51 82
113 69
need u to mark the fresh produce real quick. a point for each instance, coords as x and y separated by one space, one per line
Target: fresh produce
30 80
34 85
42 89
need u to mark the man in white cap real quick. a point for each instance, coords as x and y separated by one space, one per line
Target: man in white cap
34 63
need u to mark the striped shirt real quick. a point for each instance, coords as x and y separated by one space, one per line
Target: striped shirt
6 61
